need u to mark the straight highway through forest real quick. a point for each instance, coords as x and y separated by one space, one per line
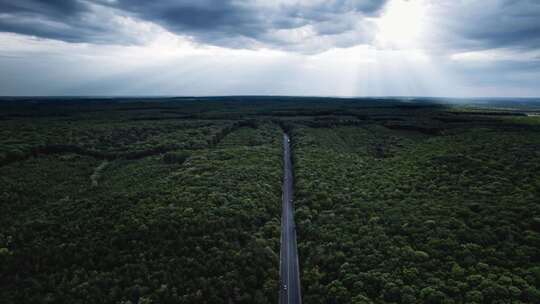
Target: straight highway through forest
289 273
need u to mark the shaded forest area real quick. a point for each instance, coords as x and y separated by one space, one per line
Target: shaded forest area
178 200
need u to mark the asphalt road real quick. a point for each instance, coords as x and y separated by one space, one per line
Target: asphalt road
289 273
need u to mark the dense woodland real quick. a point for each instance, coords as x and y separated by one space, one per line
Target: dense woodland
179 200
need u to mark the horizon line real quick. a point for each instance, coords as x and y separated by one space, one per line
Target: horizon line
264 96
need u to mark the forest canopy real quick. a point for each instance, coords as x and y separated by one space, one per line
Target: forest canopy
179 200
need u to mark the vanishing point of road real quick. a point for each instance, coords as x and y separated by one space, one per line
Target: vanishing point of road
289 274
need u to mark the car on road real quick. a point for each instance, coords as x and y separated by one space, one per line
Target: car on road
285 287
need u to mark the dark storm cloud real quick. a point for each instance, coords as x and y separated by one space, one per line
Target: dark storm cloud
56 8
218 22
56 19
205 21
64 20
190 15
230 22
464 25
491 24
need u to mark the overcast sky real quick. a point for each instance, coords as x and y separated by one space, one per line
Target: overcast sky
270 47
